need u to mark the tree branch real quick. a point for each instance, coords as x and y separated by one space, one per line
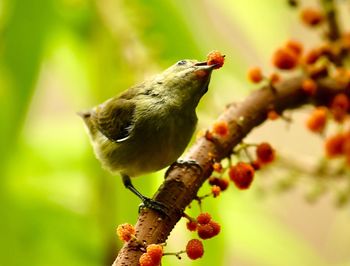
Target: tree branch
181 185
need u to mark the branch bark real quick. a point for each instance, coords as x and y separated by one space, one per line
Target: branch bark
181 185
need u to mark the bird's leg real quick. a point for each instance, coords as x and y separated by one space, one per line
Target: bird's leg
186 163
146 202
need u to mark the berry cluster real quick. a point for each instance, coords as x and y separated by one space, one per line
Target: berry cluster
153 255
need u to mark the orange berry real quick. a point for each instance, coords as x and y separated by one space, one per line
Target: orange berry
242 175
191 226
285 59
295 46
255 75
317 120
221 128
215 190
215 57
312 56
309 87
194 249
272 115
125 232
334 145
217 167
203 218
274 78
265 153
146 260
155 252
311 16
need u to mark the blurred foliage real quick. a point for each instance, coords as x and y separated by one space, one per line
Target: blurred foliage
58 207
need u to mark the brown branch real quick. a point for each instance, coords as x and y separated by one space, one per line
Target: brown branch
331 18
181 185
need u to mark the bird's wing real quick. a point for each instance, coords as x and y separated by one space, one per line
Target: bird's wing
115 119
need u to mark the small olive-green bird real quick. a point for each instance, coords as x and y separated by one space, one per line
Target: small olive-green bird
148 126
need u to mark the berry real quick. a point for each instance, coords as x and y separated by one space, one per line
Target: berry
256 165
272 115
214 181
125 232
191 226
217 167
274 78
215 57
265 153
295 46
309 87
334 145
318 119
339 106
194 249
223 183
216 227
215 190
205 231
155 252
311 16
146 260
285 59
203 218
221 128
255 75
242 175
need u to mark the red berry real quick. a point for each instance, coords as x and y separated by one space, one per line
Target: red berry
274 78
216 227
194 249
146 260
334 145
203 218
205 231
309 87
215 57
242 175
223 183
272 115
295 46
191 226
285 59
317 120
221 128
155 252
265 153
340 106
125 232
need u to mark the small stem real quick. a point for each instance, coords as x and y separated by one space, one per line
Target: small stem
177 254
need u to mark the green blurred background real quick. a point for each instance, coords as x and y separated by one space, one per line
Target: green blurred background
58 207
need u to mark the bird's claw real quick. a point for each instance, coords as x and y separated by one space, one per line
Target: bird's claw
186 163
154 205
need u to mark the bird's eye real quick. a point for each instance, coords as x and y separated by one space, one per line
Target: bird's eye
181 63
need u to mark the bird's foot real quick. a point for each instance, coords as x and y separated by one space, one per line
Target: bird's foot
154 205
184 163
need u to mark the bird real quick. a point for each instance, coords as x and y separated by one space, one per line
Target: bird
147 127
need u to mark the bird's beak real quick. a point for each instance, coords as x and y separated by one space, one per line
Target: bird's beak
205 66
